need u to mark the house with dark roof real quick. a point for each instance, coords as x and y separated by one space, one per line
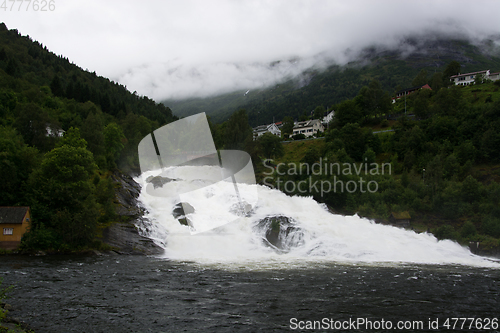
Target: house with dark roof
14 222
308 127
407 91
469 78
260 130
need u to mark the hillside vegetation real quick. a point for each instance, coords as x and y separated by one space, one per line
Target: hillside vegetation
442 163
65 179
64 131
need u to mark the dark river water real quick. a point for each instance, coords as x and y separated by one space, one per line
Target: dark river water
145 294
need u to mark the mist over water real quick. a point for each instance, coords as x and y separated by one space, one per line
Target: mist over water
318 236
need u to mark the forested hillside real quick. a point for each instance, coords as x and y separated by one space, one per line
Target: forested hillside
63 131
394 69
439 161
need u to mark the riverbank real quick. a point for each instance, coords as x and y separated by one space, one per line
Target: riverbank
121 237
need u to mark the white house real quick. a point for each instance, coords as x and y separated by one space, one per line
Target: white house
468 78
494 76
308 127
260 130
328 118
408 91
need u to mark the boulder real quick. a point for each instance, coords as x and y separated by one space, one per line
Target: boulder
159 181
180 210
280 232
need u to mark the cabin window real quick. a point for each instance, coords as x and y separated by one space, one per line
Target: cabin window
8 231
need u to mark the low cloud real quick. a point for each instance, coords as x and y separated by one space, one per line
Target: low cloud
179 49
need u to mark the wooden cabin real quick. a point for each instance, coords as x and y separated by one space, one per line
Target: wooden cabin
14 222
400 219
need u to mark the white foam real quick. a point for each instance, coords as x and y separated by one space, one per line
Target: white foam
326 237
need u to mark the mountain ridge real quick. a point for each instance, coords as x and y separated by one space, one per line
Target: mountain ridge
393 67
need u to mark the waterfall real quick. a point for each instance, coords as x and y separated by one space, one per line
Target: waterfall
203 205
313 233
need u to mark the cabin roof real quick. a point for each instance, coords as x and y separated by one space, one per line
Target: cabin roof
401 215
425 86
12 215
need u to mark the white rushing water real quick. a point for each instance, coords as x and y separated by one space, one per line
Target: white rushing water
319 236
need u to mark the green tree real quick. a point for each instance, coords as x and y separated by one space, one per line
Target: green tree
445 232
56 87
17 160
372 100
13 68
32 122
490 145
468 230
369 157
237 130
63 195
271 145
114 140
287 128
453 68
436 81
319 112
347 112
312 156
420 79
354 140
491 226
421 104
92 131
470 189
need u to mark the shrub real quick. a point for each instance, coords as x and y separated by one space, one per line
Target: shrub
3 295
491 227
445 232
299 137
468 230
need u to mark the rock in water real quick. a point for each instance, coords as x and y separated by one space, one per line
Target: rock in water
159 181
280 232
180 211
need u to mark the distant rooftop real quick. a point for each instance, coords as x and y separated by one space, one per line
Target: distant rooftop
12 214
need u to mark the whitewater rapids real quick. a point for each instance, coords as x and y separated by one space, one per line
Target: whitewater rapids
325 237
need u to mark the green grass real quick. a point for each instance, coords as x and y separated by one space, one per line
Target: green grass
296 150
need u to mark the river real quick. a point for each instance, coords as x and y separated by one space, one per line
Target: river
330 272
147 294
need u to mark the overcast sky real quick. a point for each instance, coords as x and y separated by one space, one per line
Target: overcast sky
182 48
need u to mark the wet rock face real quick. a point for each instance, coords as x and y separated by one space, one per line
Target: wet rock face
280 233
126 193
124 236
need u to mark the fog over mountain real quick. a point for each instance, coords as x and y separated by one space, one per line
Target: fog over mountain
179 49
